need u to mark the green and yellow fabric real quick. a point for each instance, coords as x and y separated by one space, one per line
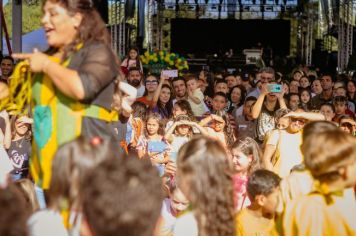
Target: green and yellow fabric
57 120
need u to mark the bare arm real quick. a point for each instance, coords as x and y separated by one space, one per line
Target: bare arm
311 116
267 156
256 109
158 91
193 98
201 129
141 153
281 101
66 80
205 121
7 133
169 134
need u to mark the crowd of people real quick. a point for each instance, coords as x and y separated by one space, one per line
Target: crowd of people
107 148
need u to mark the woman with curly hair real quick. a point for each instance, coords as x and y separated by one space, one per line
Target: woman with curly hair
73 81
205 177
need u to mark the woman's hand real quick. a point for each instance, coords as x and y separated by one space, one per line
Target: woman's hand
264 89
38 61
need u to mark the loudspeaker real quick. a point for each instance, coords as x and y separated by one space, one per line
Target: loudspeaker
103 9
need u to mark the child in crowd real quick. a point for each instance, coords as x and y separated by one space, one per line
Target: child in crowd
181 107
304 97
195 96
135 125
131 60
13 212
181 132
27 188
245 122
281 121
328 110
121 197
340 104
172 207
73 160
330 157
347 124
217 129
20 148
152 143
204 176
263 192
246 159
304 82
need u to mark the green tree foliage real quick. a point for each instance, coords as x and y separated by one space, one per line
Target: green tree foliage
31 16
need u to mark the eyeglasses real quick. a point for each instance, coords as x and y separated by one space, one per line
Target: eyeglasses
151 82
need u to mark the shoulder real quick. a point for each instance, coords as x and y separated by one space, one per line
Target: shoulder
46 222
186 225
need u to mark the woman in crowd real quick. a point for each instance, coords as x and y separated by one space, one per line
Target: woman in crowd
351 90
20 149
237 98
204 176
162 102
264 109
73 84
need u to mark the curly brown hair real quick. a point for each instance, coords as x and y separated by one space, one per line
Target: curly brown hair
206 172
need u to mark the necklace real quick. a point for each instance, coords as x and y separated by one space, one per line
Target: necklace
17 143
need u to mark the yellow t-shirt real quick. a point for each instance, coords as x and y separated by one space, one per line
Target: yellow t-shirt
312 215
288 146
248 224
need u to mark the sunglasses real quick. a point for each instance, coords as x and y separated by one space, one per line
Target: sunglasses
298 120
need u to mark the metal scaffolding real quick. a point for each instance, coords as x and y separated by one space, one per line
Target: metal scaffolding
117 26
345 33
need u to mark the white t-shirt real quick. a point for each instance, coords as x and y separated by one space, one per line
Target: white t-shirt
186 225
198 109
168 219
140 91
289 150
46 222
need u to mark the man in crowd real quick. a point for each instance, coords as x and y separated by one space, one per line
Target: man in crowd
327 93
264 76
134 78
180 89
7 66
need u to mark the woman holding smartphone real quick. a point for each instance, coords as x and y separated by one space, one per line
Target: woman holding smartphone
266 105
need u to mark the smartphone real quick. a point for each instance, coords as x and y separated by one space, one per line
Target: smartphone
274 88
170 73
